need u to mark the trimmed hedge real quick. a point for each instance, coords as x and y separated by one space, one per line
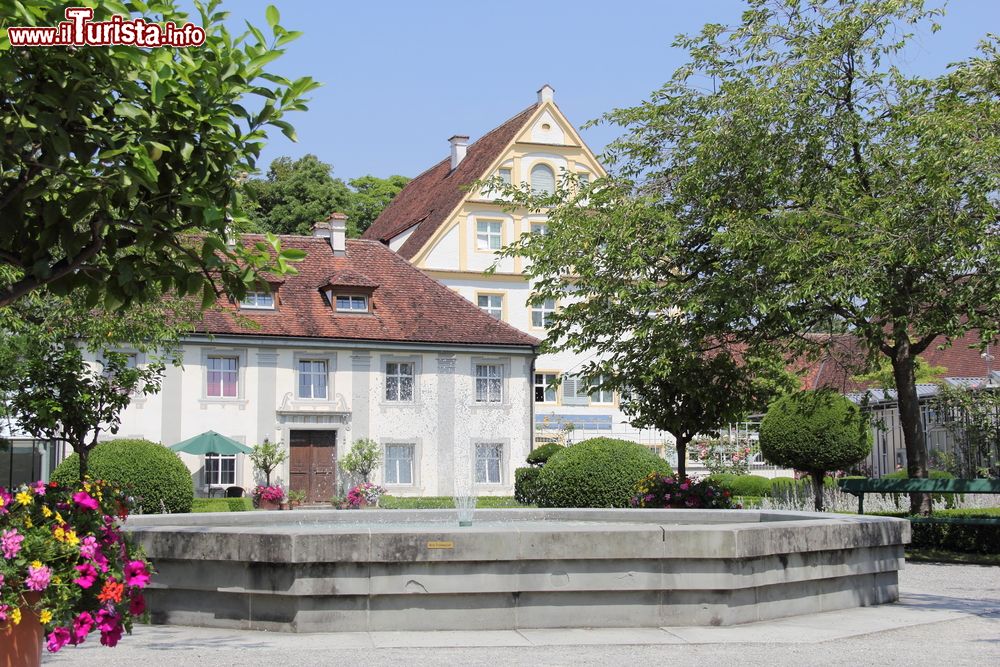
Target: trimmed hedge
222 505
526 487
153 473
961 538
600 472
538 456
742 485
789 487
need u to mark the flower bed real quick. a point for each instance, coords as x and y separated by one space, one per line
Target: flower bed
65 545
669 491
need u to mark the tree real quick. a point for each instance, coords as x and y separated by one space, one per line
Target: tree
369 198
295 195
364 457
787 175
816 432
882 375
266 457
113 156
971 414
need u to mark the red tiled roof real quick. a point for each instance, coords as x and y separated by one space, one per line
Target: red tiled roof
430 197
407 305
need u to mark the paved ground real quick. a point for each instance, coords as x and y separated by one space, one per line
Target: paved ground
948 614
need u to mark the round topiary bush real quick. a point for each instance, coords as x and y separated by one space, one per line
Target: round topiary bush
150 471
815 431
600 472
540 455
526 485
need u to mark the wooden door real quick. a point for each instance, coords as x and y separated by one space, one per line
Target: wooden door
313 464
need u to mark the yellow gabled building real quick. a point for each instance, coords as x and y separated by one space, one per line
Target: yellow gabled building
452 231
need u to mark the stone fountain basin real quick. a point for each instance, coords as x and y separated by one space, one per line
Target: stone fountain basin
328 570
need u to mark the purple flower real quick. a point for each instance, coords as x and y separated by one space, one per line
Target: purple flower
38 578
58 638
136 574
137 604
83 499
82 625
10 542
88 575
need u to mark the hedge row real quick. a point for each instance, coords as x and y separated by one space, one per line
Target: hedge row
962 538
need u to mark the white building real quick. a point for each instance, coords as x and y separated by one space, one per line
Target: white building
452 232
358 344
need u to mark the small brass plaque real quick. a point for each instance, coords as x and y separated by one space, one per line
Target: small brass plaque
440 545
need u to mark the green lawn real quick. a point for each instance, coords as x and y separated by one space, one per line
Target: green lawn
221 505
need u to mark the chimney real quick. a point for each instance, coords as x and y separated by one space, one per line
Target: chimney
338 234
321 230
545 94
459 143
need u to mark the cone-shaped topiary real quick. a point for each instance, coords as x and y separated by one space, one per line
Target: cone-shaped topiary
816 432
600 472
151 472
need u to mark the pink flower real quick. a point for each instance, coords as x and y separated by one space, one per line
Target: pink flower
38 578
684 486
10 542
88 575
3 612
111 637
83 499
88 547
82 625
101 561
135 574
137 605
106 620
39 488
58 638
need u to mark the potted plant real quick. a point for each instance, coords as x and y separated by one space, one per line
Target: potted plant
268 497
365 495
66 568
296 498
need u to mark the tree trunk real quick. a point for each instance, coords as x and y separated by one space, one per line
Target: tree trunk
903 365
682 444
817 479
83 453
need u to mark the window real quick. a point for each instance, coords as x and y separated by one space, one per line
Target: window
539 228
220 470
491 304
543 180
601 395
352 304
574 391
541 315
398 381
258 301
504 174
583 178
488 235
489 383
399 464
488 459
545 392
312 379
223 377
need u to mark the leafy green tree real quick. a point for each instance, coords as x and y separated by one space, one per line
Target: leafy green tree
364 457
882 375
113 156
971 415
266 457
369 197
789 174
295 195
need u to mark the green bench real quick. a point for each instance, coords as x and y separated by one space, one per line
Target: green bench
859 487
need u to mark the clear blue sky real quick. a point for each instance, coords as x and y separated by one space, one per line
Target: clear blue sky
400 77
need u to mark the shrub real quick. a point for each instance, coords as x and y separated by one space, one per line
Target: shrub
742 485
950 499
154 474
815 431
540 455
666 490
526 485
600 472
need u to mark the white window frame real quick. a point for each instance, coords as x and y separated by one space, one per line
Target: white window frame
394 479
488 383
491 309
506 175
541 314
539 228
601 396
312 372
222 372
257 300
488 479
213 473
583 178
398 375
355 303
547 378
489 235
574 391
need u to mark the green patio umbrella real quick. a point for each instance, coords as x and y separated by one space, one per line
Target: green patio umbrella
211 442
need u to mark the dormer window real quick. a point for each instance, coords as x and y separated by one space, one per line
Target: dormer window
258 301
352 303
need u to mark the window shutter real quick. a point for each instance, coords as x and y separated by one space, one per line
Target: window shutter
572 387
543 179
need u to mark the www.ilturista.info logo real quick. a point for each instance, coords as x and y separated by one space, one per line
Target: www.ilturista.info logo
79 30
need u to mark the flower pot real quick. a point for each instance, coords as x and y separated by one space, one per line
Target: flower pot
284 506
21 644
267 504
